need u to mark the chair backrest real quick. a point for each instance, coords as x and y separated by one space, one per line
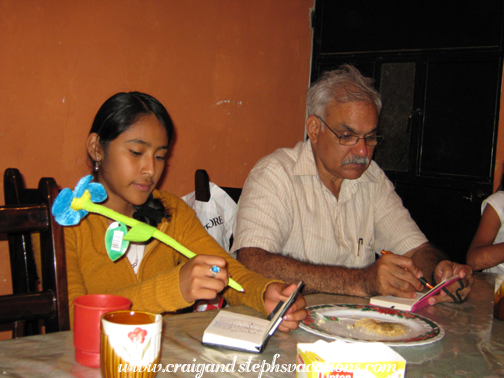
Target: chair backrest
234 193
28 211
202 187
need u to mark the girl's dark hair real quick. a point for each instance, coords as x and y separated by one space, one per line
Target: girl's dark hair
117 115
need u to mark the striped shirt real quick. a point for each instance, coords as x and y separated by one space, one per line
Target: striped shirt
285 208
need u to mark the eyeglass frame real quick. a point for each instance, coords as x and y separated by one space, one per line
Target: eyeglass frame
379 138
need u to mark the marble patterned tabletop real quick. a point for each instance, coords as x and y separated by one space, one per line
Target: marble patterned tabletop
473 345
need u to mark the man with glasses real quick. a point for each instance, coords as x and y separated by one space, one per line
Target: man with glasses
320 212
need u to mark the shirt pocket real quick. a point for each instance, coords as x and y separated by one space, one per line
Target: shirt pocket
365 251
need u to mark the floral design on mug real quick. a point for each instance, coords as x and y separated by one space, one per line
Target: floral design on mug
138 335
136 352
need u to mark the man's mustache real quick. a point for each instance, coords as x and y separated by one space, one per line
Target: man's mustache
363 160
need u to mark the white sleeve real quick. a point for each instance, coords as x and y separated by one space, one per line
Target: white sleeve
497 202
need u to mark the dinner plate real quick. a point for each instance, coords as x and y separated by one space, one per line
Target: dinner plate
335 321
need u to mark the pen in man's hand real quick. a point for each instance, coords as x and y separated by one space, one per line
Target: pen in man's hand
421 279
425 283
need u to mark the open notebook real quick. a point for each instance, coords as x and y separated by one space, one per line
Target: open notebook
243 332
411 304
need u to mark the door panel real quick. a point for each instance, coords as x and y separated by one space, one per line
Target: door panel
459 119
397 89
448 216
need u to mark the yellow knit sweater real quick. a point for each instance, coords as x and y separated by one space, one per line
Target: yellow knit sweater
156 286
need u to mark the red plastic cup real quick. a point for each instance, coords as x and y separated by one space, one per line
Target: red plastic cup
88 310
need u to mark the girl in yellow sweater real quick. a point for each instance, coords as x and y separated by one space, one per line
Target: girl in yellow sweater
128 144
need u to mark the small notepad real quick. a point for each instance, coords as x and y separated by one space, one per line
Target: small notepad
243 332
411 304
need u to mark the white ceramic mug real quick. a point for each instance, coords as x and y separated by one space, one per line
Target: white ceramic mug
130 344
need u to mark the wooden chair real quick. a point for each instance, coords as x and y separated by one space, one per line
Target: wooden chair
28 211
202 187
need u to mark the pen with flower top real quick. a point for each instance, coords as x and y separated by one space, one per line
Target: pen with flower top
70 207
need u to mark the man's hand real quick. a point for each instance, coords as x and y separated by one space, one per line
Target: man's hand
393 275
276 292
446 269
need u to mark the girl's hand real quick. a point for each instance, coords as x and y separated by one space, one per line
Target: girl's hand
276 292
196 281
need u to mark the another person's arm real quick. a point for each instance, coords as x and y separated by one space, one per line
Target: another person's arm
483 254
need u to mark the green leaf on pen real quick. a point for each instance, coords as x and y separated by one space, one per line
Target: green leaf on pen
139 233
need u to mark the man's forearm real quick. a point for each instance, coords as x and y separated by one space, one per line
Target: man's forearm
316 278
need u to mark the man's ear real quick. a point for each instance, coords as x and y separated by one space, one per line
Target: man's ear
94 148
313 126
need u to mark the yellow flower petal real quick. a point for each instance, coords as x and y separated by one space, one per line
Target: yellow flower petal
78 203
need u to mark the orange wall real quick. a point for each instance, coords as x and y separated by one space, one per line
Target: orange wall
232 74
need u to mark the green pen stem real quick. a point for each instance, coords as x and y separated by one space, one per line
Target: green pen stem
91 207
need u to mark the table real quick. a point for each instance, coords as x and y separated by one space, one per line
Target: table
472 347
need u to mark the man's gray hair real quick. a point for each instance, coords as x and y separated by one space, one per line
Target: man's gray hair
344 84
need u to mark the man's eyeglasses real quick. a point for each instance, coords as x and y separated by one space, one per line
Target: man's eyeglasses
352 140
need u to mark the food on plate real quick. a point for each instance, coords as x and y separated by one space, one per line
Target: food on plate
377 327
